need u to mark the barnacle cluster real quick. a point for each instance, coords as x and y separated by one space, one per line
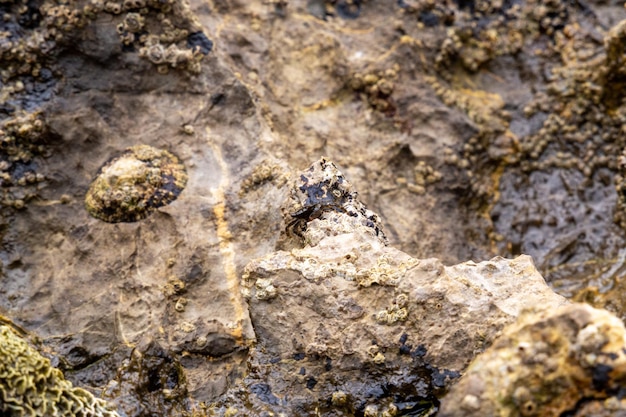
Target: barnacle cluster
376 88
573 123
132 185
164 32
503 30
398 311
545 364
21 140
583 133
30 386
424 175
29 33
391 315
576 102
32 34
265 172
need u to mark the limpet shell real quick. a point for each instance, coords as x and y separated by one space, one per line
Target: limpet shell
130 186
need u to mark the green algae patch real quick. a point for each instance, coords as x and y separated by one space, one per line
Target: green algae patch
30 386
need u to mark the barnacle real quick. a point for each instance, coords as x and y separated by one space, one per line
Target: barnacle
134 4
132 185
133 22
111 7
376 88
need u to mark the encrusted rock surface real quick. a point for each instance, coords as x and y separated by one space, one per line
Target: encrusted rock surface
546 364
348 316
320 189
472 129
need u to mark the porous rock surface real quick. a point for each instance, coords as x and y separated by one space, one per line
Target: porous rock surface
346 315
546 364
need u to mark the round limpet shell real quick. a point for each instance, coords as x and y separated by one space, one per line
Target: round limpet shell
130 186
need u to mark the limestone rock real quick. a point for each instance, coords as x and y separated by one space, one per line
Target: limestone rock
347 316
544 365
604 407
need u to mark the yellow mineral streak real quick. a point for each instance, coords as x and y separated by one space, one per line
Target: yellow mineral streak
226 247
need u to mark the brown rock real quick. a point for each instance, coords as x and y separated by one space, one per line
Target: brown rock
544 365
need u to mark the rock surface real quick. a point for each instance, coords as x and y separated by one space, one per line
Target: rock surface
546 364
348 316
472 129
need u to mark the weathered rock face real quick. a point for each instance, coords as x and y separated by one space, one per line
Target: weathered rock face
545 364
456 119
348 317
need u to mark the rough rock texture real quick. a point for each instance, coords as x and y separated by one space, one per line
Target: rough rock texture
546 364
472 128
30 386
610 407
348 316
320 189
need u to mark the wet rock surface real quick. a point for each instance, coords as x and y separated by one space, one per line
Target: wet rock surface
472 129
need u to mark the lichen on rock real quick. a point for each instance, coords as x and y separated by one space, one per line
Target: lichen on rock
30 386
132 185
